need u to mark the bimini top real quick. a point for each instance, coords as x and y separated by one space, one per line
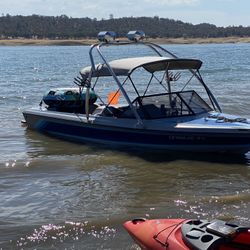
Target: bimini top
124 67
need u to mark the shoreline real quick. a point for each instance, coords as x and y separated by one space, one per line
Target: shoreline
75 42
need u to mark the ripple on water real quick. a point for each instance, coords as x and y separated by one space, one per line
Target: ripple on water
69 231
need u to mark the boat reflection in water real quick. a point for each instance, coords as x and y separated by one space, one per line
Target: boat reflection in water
173 110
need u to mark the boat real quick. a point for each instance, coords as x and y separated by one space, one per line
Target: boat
154 100
187 234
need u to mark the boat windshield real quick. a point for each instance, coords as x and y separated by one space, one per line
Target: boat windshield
168 105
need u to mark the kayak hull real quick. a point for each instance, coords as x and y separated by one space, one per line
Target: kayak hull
172 234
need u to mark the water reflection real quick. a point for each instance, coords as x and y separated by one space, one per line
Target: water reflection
137 184
41 144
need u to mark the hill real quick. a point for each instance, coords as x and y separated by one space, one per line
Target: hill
64 27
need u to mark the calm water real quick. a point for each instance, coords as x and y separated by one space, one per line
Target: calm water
60 195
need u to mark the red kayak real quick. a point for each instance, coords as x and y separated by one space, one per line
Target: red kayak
180 234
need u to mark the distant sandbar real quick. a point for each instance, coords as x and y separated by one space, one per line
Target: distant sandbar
68 42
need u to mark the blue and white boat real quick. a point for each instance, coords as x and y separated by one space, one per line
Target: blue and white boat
159 102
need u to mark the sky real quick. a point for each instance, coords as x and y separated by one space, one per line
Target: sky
218 12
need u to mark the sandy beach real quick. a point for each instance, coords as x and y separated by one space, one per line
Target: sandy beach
45 42
67 42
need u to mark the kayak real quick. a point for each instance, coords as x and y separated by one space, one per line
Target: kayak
183 234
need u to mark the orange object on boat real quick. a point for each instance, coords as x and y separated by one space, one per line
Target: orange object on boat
113 97
181 234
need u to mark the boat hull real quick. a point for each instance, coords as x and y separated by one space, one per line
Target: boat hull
79 130
168 234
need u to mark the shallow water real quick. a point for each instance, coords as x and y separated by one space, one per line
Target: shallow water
60 195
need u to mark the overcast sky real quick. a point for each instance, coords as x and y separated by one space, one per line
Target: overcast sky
218 12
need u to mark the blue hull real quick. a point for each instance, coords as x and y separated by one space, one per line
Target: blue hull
155 139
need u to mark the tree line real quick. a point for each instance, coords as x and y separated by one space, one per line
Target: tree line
64 27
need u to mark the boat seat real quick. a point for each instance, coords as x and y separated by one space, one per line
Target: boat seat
111 111
126 112
151 111
205 235
98 109
92 108
148 111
